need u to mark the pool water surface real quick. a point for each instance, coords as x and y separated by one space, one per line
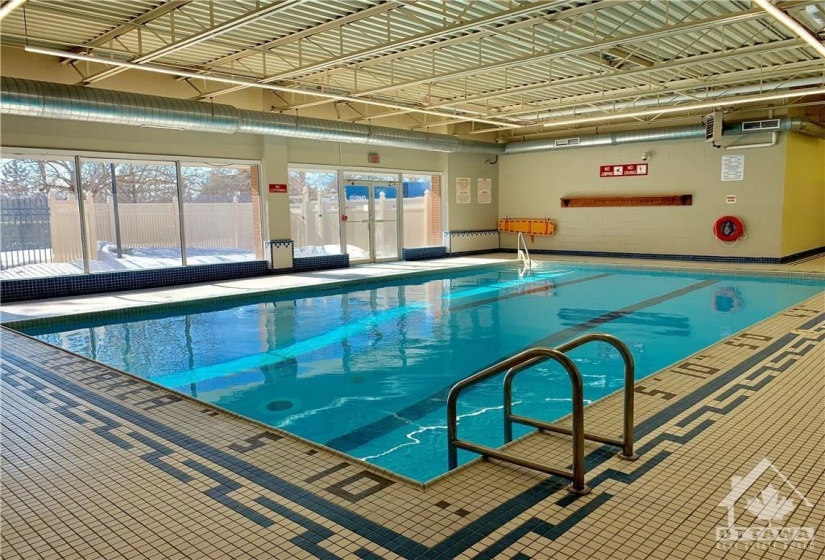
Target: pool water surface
366 371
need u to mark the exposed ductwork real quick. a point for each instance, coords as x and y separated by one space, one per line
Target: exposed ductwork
58 101
797 124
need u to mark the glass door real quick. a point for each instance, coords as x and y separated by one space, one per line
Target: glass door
369 216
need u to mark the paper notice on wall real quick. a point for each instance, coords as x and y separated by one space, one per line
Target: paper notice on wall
733 168
463 190
485 191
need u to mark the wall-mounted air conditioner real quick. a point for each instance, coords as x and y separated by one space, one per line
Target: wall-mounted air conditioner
713 127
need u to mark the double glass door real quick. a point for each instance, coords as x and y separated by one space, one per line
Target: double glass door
369 220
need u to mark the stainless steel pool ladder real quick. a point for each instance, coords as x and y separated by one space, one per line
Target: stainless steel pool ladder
525 360
525 259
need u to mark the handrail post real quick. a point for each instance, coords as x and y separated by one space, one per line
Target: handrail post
629 379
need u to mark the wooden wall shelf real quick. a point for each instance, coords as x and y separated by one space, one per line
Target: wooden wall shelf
602 201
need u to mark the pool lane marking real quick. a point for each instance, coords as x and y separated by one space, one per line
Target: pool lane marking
261 360
203 373
431 403
538 277
538 289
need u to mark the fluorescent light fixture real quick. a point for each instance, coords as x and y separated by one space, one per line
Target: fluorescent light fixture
9 7
249 83
792 24
695 106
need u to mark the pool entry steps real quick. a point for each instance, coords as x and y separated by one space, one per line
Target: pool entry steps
525 360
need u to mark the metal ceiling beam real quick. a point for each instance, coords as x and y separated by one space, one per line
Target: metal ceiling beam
773 96
245 83
791 24
205 35
292 37
687 61
603 44
9 7
587 100
394 46
132 24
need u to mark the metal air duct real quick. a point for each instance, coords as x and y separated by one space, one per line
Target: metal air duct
797 124
58 101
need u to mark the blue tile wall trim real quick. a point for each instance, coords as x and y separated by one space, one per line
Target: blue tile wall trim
470 232
654 256
321 262
802 255
86 284
478 252
421 253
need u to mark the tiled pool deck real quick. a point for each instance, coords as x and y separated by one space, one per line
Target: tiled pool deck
97 464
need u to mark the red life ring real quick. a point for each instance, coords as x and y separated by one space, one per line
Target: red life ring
728 228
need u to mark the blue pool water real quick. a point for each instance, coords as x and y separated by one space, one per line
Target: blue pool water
367 371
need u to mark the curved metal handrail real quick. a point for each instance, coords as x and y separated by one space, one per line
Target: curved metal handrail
533 356
626 443
521 242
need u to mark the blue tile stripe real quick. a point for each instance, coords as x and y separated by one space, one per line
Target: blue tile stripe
654 256
85 284
320 262
422 253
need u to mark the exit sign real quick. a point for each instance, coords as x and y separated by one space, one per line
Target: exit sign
374 158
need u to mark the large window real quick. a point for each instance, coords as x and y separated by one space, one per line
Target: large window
132 219
132 212
313 209
422 211
221 209
39 218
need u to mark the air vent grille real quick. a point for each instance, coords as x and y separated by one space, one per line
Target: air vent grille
768 124
567 142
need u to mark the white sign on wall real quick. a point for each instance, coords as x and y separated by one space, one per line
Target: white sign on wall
463 190
730 199
485 190
733 168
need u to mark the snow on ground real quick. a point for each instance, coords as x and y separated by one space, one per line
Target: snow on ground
355 253
107 261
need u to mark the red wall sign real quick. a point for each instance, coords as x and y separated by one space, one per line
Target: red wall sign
277 187
623 170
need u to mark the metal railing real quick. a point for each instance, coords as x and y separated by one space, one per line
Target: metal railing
525 259
522 361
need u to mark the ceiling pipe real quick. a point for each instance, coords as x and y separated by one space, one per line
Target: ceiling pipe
60 101
797 124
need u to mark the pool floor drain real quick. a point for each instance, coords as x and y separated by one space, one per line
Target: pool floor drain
277 406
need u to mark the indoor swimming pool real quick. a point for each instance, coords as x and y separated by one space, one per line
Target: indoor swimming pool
366 370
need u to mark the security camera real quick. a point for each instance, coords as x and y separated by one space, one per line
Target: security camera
645 156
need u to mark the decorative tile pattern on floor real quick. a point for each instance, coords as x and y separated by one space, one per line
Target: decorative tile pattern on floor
98 464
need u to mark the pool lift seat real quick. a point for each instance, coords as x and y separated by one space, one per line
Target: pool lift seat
522 361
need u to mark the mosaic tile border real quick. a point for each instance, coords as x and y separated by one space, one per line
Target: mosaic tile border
674 257
26 289
424 253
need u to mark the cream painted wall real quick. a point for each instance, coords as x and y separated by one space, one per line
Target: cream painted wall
308 152
803 208
274 166
32 132
532 184
474 215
